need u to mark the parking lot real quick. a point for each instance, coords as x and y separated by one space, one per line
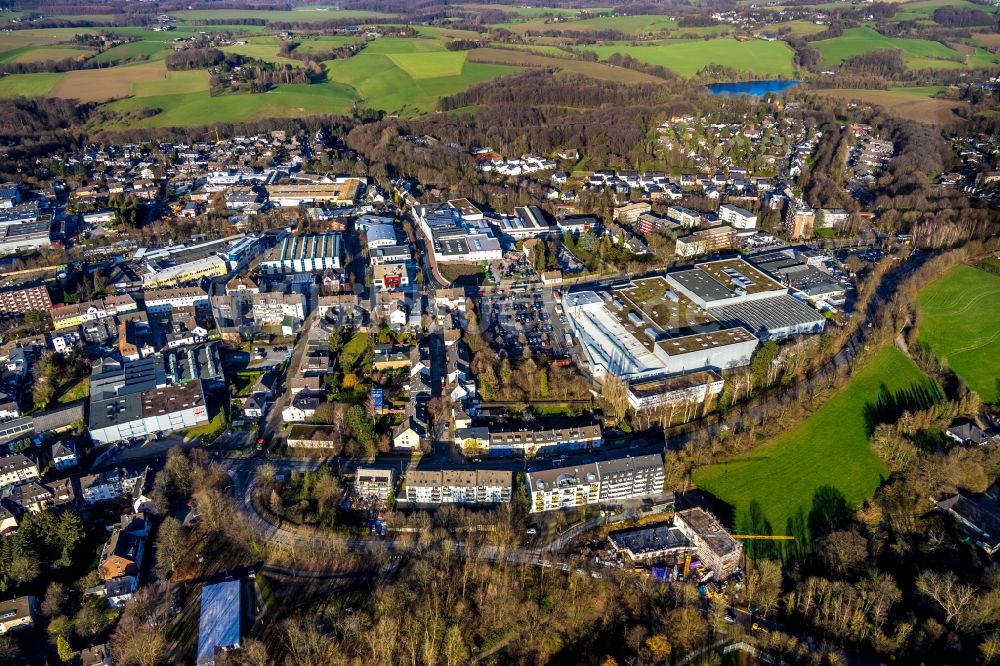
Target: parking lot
525 320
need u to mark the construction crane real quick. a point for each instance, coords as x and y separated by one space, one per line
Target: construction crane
763 537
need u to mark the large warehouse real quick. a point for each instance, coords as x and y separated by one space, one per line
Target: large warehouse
737 294
655 331
312 253
647 329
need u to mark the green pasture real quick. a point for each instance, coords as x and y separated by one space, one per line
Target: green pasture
960 320
918 53
687 57
29 85
829 449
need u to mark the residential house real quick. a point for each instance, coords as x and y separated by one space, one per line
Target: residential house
18 613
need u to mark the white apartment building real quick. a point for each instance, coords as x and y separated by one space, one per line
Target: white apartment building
165 300
457 486
738 218
369 482
17 469
606 481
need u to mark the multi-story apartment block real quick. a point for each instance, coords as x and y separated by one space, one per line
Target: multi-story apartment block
18 300
165 300
529 443
457 486
17 469
606 481
371 482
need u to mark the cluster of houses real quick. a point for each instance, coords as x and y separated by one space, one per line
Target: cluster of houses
23 490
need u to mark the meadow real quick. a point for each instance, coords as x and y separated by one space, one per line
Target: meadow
960 321
687 57
595 70
917 53
829 449
639 24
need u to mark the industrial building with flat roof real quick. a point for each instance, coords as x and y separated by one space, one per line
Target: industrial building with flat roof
311 253
134 399
456 231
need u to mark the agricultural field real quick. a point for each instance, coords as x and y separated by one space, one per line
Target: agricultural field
960 320
29 85
915 103
409 75
830 448
299 14
43 53
687 57
149 49
922 10
98 85
595 70
262 48
917 53
638 25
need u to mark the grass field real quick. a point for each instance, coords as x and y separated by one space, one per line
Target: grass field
830 448
29 85
632 25
430 65
687 57
960 320
296 15
918 53
134 50
97 85
43 53
915 103
595 70
263 48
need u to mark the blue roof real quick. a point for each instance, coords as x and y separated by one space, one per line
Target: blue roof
219 625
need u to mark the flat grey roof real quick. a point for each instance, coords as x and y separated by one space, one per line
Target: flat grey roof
769 314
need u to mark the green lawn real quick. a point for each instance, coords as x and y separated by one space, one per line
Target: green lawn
960 320
830 448
918 53
687 57
73 392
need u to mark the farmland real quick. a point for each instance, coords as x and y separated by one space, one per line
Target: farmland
640 24
687 58
960 321
594 70
830 448
917 53
915 103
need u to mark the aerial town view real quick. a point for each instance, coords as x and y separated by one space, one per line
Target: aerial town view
447 332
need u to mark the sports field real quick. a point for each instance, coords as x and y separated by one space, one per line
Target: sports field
960 320
917 53
830 448
687 57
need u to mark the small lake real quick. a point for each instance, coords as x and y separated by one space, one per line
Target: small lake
755 88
